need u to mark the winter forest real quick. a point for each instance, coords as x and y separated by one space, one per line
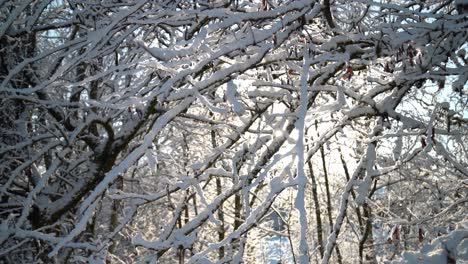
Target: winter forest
234 131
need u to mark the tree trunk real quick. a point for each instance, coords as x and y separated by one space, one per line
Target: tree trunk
327 190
